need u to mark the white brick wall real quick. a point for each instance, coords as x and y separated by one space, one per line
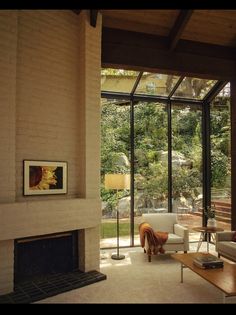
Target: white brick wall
49 110
24 219
93 83
89 120
48 104
89 244
8 42
6 266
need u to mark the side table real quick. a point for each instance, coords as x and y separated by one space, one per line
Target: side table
206 231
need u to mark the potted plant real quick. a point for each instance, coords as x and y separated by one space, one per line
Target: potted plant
210 214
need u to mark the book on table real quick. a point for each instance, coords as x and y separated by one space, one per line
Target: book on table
208 261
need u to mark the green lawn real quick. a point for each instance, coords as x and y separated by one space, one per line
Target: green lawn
108 229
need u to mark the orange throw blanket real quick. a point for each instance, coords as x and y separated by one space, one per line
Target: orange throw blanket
156 240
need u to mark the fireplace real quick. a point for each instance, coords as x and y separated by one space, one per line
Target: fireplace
23 222
45 255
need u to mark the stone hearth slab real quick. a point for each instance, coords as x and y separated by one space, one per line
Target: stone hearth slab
42 288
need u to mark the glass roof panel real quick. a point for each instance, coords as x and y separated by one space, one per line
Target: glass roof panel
222 100
156 84
225 92
194 88
118 80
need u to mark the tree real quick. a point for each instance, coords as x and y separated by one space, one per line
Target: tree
150 136
220 142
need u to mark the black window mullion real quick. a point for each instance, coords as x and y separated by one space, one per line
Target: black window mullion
206 159
132 173
169 156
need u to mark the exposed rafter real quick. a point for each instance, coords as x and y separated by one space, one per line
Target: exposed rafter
146 52
178 28
93 17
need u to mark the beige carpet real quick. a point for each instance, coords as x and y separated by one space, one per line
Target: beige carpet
135 280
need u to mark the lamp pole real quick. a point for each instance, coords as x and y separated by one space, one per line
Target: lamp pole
117 181
117 256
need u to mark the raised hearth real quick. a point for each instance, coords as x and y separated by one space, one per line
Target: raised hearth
32 291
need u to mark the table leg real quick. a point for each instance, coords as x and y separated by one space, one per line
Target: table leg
213 237
182 274
208 240
200 241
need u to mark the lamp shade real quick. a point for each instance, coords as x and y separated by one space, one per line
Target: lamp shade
117 181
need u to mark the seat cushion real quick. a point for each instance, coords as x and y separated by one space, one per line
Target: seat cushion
234 237
227 248
174 239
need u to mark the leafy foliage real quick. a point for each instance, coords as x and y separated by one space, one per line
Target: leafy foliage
220 169
151 145
220 144
210 212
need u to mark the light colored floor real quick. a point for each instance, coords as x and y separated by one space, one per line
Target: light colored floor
135 280
125 241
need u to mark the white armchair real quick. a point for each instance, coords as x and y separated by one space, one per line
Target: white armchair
178 235
225 246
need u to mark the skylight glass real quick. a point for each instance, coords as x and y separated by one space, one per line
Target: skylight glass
118 80
164 86
194 88
156 84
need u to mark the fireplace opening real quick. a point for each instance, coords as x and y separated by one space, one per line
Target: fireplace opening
40 256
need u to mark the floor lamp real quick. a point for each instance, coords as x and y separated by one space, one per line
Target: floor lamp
117 182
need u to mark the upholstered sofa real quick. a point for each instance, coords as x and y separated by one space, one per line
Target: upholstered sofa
178 235
225 246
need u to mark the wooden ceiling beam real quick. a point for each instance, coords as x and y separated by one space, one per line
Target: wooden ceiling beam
93 17
160 42
145 52
178 28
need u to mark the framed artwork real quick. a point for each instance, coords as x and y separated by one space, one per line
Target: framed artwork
45 177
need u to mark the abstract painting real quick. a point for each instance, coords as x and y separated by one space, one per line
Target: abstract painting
45 177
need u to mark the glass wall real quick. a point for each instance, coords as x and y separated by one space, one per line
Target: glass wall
150 161
187 165
221 158
115 158
150 140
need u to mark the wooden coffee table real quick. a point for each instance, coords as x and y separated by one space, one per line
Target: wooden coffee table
222 278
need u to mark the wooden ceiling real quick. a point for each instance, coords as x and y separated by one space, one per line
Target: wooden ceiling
198 43
206 26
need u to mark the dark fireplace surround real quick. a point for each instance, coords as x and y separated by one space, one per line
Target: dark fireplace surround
40 256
